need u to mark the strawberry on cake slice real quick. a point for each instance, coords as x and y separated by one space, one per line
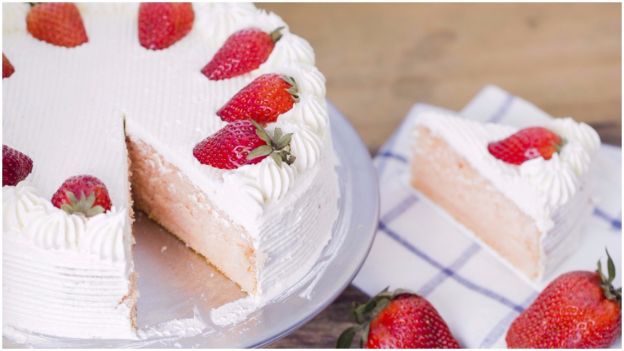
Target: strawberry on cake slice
522 192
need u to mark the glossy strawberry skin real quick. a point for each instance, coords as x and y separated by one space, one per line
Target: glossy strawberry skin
57 23
525 145
16 166
241 53
409 321
228 148
262 100
7 67
163 24
82 186
572 312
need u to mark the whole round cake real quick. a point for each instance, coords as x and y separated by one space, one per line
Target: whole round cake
210 118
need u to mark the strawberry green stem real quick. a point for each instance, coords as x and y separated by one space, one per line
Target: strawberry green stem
606 282
364 314
276 35
278 146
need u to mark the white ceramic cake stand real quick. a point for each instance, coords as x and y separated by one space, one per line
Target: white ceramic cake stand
178 289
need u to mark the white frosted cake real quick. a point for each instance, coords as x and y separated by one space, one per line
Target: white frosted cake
131 114
523 193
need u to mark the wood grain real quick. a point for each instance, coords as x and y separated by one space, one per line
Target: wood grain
379 59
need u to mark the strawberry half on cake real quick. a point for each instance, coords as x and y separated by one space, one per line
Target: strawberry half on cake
210 118
522 192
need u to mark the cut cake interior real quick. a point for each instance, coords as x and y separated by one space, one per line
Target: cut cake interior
167 196
531 215
446 178
111 101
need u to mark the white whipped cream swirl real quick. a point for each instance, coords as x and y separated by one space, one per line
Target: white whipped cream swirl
32 217
539 187
105 236
13 15
20 206
306 145
56 230
291 48
554 181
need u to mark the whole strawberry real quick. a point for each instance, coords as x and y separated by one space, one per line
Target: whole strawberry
262 100
57 23
526 144
579 309
398 320
242 143
163 24
7 67
242 52
15 166
83 194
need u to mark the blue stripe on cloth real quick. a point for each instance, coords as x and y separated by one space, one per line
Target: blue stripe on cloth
502 326
502 110
461 280
454 267
392 155
387 148
399 209
389 145
616 223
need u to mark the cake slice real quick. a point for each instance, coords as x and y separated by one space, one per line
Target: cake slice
522 193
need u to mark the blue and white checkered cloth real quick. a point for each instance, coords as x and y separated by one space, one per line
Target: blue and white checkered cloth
418 248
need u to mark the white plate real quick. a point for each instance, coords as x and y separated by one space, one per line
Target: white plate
176 284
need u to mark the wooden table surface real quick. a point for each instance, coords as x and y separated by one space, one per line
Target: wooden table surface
379 59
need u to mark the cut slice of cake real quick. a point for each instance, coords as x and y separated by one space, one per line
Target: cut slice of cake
523 193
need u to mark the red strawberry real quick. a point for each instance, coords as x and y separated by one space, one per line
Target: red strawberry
7 67
398 320
164 23
15 166
579 309
242 52
57 23
243 143
262 100
526 144
82 194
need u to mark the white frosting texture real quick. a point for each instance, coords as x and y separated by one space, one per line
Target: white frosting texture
13 18
33 217
110 62
538 187
92 96
62 292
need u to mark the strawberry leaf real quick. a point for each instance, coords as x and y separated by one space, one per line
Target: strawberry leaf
277 158
83 205
294 89
606 282
364 313
346 337
262 134
610 267
278 146
277 136
285 140
263 150
276 35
